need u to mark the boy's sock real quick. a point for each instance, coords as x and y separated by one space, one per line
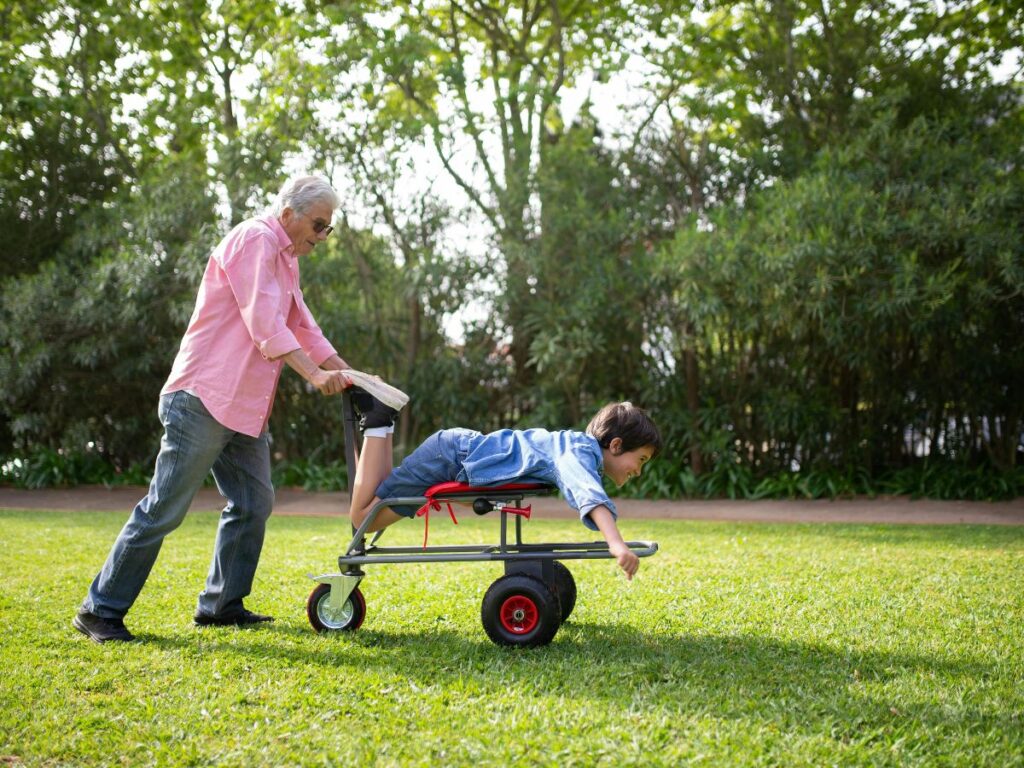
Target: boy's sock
378 431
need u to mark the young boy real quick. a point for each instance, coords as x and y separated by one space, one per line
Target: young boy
618 442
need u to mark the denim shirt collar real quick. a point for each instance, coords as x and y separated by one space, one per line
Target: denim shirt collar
595 447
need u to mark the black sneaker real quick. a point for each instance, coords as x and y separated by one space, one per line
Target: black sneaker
241 618
101 630
372 412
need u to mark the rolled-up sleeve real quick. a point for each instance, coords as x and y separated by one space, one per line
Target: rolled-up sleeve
581 487
251 270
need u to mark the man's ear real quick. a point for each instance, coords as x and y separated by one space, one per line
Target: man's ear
287 215
615 446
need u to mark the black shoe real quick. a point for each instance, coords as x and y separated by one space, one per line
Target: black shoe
101 630
241 618
372 412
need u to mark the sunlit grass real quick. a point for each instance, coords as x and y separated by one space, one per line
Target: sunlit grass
736 645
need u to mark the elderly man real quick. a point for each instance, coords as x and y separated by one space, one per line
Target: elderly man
248 321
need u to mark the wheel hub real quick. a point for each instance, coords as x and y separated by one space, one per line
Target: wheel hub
335 617
519 614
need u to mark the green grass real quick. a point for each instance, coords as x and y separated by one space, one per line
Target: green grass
780 645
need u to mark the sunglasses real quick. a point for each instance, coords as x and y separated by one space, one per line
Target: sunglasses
319 225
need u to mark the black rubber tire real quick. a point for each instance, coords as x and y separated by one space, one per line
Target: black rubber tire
565 588
520 610
349 619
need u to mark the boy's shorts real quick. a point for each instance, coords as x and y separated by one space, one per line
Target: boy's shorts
438 459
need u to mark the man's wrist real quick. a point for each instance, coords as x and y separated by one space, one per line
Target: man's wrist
302 364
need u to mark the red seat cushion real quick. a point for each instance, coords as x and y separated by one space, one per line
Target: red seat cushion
443 489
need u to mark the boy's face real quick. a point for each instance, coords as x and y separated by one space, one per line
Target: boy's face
622 465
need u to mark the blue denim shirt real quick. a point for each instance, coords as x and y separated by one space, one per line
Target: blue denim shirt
570 460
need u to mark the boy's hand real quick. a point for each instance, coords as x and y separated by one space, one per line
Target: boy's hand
628 562
605 522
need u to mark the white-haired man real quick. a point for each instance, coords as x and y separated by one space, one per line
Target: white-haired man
248 321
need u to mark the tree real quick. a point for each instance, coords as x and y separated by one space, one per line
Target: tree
481 83
88 341
590 287
64 142
871 307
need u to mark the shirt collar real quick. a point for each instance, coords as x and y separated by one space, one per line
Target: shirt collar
283 241
595 448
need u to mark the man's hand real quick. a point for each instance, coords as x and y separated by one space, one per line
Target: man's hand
329 382
628 562
330 379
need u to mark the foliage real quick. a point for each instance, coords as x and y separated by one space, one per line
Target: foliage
585 308
930 479
843 318
312 475
47 468
735 645
88 341
798 242
755 90
63 138
488 79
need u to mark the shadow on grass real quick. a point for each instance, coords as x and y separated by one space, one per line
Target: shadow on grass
814 689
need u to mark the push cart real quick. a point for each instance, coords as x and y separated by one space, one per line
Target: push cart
524 607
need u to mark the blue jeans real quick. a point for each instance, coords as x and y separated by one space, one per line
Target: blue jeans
438 459
194 443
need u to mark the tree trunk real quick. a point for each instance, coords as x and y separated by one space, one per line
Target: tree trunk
692 396
412 353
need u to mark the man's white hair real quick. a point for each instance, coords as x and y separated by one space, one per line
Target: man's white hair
303 192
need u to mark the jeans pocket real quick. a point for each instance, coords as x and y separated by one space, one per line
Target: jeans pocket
193 404
170 406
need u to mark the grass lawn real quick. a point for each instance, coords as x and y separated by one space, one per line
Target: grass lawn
737 644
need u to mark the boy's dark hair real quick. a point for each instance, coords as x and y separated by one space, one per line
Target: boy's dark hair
628 422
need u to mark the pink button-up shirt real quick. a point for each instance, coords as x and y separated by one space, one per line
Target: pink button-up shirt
249 311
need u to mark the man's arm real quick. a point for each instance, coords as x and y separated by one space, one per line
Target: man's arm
605 523
330 381
334 363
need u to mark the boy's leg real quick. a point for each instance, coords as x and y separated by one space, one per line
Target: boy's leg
376 460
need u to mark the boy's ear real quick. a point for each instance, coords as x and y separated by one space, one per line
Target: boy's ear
615 446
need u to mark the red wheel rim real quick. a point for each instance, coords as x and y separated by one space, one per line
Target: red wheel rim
519 614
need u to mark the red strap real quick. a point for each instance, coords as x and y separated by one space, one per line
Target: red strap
424 512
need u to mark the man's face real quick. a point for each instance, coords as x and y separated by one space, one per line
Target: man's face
301 227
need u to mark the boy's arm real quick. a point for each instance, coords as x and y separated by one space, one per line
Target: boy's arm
628 562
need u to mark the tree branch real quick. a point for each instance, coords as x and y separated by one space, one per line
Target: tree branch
466 108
